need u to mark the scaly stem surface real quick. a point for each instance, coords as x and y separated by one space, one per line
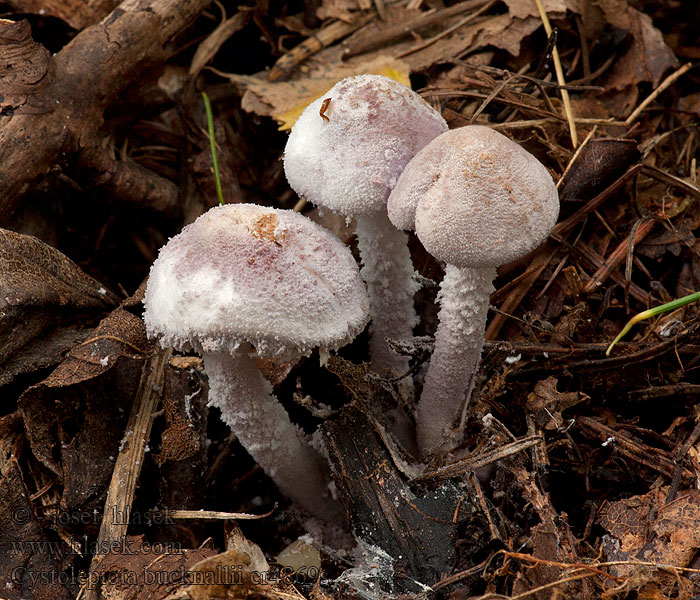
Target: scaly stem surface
388 272
464 302
254 414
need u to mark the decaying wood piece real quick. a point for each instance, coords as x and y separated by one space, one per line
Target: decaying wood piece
417 530
52 108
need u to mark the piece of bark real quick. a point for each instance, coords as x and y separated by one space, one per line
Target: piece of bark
52 109
416 529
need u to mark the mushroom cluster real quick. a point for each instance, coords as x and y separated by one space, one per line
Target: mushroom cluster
245 281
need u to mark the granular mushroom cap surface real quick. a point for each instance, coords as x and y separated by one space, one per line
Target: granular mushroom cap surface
248 273
479 199
349 161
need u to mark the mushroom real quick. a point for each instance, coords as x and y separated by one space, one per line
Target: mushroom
477 200
244 281
345 153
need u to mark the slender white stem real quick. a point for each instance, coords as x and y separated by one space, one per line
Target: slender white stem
464 302
388 272
254 414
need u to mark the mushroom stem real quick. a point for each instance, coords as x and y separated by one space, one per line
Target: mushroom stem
254 414
464 302
388 271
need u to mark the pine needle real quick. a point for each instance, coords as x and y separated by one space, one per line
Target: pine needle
560 76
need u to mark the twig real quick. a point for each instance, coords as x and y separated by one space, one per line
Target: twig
574 158
672 180
592 569
448 31
472 463
560 76
381 9
564 227
662 86
74 89
215 515
642 229
467 94
321 39
401 30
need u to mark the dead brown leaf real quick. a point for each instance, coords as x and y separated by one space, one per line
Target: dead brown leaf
648 529
521 9
600 163
547 404
337 9
38 287
24 569
74 419
648 57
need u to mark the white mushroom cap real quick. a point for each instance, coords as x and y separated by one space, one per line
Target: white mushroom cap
243 272
478 199
349 162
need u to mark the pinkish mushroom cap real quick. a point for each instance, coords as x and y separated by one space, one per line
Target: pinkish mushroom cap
243 272
477 198
349 161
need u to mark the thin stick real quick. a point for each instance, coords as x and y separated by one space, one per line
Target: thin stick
448 31
574 158
617 255
664 84
401 30
320 39
215 515
560 76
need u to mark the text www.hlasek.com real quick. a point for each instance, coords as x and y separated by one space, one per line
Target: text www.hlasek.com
90 548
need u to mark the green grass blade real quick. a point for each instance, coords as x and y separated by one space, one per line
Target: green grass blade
652 312
212 142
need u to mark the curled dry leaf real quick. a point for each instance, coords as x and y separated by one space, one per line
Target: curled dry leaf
600 163
74 418
647 58
546 403
39 287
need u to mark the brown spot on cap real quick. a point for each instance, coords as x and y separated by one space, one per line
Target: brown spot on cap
264 227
